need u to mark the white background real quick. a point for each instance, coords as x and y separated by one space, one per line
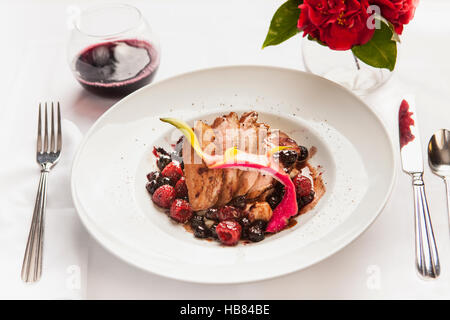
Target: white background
203 33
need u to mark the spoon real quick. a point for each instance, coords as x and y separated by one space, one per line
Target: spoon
439 159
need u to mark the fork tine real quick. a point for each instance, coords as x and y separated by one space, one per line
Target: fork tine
45 130
39 135
52 132
59 136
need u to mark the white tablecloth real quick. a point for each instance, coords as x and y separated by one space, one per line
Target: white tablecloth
197 34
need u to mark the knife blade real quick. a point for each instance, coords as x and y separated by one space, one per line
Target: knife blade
427 258
410 144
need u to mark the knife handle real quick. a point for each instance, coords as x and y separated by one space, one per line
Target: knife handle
427 258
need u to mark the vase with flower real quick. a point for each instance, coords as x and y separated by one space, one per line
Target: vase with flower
362 35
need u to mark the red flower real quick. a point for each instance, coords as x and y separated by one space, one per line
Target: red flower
340 24
397 12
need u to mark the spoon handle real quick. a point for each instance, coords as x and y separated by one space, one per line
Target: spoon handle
447 188
427 259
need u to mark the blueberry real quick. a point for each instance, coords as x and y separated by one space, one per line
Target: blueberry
288 157
303 155
163 161
279 189
303 201
308 199
212 231
256 230
274 200
239 202
245 224
197 221
201 232
212 214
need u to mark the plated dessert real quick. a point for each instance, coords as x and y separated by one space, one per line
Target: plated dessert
234 179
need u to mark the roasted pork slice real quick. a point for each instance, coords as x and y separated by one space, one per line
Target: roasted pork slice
252 139
226 129
248 142
204 185
217 187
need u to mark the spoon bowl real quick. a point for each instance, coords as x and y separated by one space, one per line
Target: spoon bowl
439 159
439 153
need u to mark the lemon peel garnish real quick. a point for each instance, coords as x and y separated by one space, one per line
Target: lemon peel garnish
187 132
278 148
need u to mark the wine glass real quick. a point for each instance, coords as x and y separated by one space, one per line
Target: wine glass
112 50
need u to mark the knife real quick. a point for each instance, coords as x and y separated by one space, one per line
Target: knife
427 258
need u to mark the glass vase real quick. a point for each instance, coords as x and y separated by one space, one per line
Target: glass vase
342 67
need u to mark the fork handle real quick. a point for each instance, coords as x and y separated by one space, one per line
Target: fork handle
427 258
32 260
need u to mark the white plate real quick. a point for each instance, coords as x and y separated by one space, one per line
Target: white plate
354 151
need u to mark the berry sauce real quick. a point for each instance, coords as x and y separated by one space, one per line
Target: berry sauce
405 122
116 68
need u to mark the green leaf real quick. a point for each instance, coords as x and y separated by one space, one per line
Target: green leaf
380 51
284 23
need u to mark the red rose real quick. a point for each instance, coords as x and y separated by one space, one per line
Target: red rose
397 12
340 24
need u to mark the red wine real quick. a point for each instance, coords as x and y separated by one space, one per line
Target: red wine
116 68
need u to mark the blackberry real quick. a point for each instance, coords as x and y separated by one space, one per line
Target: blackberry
152 186
163 161
154 175
179 146
256 231
160 150
177 154
176 157
303 154
164 180
156 180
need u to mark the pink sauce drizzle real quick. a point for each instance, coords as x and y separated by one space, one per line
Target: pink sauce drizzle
405 122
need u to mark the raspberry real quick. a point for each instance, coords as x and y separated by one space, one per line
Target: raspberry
164 196
181 189
180 211
228 213
173 172
229 232
302 184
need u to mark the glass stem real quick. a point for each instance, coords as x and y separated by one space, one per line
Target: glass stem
356 61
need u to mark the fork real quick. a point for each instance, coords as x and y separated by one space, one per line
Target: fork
47 155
